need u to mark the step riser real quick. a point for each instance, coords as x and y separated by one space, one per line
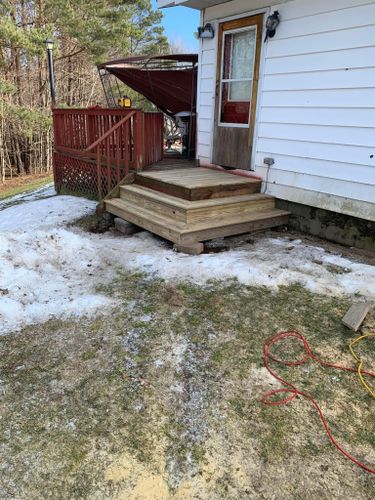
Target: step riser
220 211
201 193
163 209
153 227
235 229
196 214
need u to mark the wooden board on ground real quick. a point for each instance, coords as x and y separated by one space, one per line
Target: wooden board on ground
354 318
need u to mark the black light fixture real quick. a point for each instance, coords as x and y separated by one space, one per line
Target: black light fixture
206 31
271 24
49 45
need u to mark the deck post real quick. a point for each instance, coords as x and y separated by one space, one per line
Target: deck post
56 122
108 161
139 140
161 125
98 171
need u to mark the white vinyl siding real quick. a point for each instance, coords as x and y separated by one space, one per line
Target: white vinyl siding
316 112
318 105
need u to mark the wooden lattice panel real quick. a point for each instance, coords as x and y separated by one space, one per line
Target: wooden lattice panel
75 175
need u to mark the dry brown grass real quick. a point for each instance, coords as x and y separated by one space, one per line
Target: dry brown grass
160 399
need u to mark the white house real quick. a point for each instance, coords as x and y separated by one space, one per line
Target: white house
298 109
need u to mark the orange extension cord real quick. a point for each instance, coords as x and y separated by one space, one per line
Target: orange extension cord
294 392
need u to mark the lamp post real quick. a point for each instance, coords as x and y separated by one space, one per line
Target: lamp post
49 45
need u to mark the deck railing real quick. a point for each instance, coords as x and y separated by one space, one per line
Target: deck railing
95 148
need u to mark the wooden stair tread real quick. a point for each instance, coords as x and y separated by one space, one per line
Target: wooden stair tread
144 213
174 201
197 177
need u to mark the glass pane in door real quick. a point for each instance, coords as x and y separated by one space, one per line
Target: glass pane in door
237 76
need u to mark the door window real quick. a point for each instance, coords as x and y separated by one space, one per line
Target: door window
237 72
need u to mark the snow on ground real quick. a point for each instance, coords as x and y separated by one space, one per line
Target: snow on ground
45 268
49 270
268 262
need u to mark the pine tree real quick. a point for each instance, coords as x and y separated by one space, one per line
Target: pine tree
85 32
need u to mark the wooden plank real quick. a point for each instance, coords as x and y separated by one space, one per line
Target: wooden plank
180 232
195 248
354 318
233 220
191 211
198 193
190 205
197 177
198 184
163 187
145 219
155 202
243 207
259 224
115 193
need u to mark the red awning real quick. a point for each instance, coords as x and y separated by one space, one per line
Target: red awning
167 81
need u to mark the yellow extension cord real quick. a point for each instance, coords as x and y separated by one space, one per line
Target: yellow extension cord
360 362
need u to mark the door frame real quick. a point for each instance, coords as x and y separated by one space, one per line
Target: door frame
238 23
219 83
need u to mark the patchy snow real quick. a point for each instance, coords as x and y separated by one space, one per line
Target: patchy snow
45 269
48 270
268 262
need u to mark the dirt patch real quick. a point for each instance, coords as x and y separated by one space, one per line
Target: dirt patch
160 399
173 296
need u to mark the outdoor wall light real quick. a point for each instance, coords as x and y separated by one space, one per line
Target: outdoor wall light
206 31
49 44
124 102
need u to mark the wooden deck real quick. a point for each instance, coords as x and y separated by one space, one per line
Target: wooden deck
193 204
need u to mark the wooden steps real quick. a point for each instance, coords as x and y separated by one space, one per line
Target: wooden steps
192 211
189 205
198 183
181 232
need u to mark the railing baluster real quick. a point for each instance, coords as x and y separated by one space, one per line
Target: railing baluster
108 159
126 139
118 153
99 172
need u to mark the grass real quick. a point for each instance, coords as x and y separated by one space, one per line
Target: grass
166 390
23 185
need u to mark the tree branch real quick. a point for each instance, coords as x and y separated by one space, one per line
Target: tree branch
70 55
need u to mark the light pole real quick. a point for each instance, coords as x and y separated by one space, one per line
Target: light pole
49 44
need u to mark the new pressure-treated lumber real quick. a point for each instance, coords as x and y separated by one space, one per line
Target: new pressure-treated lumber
190 211
192 205
179 232
198 183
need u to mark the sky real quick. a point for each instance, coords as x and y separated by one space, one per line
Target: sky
180 23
